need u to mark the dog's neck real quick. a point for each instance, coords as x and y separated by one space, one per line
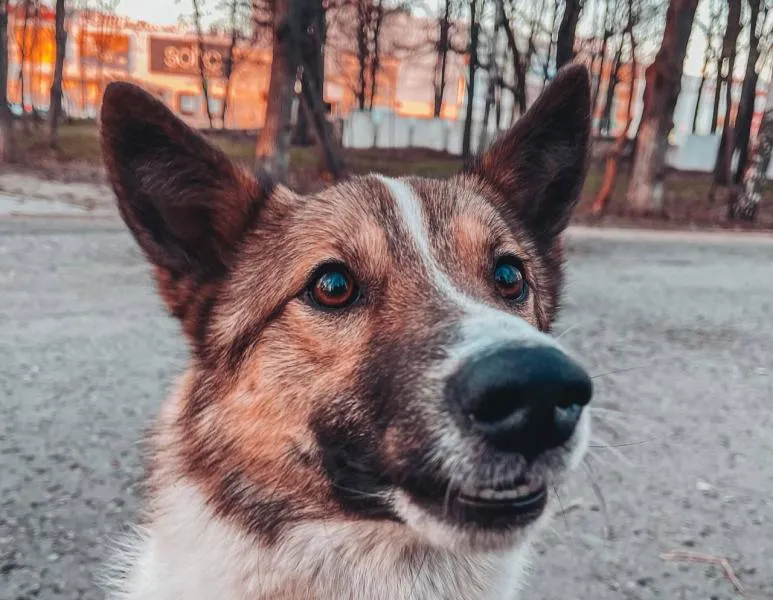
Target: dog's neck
188 552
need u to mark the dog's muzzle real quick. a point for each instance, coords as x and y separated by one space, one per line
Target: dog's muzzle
524 403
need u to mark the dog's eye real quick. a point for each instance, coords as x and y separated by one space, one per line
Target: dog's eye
333 287
509 279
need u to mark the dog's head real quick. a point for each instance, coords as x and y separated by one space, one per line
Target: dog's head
377 351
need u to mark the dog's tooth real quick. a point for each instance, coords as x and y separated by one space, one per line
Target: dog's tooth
487 494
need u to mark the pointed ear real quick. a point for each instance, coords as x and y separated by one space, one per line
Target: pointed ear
186 203
539 166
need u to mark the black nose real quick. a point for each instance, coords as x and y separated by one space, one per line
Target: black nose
522 399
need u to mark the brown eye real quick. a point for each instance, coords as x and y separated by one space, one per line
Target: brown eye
509 279
333 288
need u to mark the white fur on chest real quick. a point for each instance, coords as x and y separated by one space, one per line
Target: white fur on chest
188 553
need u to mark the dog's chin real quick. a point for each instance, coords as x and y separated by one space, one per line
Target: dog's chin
492 515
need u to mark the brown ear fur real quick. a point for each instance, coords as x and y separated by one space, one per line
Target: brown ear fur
539 165
186 203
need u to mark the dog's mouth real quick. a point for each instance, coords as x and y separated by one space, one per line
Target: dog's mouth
518 502
502 504
493 505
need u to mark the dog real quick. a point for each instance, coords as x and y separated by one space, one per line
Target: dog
374 407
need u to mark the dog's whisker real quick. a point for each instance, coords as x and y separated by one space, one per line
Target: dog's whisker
607 533
603 444
561 505
569 330
626 444
618 371
602 415
359 493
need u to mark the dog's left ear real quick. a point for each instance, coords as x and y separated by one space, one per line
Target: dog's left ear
539 165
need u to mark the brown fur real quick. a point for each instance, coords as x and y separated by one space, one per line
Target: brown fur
289 413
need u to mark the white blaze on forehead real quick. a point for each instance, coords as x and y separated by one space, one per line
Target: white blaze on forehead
483 326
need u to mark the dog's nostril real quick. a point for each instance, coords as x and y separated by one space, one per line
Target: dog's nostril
496 406
566 419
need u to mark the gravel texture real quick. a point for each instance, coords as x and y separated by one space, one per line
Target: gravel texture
683 323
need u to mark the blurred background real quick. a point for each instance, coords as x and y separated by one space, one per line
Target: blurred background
670 296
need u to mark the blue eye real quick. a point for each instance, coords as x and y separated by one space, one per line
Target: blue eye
333 288
509 279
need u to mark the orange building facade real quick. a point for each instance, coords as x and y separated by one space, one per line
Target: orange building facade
164 60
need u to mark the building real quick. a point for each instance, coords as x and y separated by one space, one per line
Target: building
165 60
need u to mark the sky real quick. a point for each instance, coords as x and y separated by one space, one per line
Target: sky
160 12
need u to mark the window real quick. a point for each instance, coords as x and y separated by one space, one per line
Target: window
188 104
215 106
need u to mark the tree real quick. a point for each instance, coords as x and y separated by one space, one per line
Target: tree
760 36
6 118
745 205
230 58
288 69
273 147
519 66
55 112
663 82
615 153
442 48
708 56
202 66
476 10
313 31
729 51
606 35
24 43
566 32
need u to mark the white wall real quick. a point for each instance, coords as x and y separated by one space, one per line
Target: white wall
363 129
388 130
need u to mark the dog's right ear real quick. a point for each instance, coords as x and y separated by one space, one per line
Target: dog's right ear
186 203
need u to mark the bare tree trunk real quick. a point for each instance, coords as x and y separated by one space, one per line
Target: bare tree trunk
519 69
363 52
6 118
202 66
605 123
696 112
743 122
375 61
23 47
56 87
602 61
744 203
273 148
312 105
83 26
663 84
312 34
717 96
729 50
490 92
473 67
551 45
228 63
441 59
612 167
566 32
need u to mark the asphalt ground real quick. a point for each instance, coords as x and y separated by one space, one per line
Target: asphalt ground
678 329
